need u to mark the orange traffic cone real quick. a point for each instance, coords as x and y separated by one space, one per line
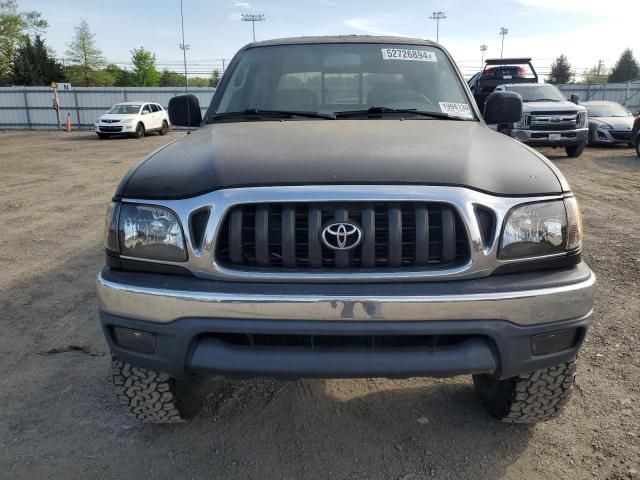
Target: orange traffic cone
68 126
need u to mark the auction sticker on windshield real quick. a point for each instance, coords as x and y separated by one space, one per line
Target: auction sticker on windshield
406 54
456 109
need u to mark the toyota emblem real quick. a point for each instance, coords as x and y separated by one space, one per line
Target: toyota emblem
342 236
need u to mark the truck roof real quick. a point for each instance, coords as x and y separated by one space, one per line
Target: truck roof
345 39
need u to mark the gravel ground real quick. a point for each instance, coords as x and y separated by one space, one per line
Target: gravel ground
58 414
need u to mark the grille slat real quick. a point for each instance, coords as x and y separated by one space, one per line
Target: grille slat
279 236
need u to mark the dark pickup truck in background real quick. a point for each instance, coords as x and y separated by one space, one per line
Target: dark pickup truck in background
343 210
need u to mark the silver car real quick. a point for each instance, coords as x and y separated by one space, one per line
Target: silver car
609 123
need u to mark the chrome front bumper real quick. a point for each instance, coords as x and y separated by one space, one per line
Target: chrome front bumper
522 299
541 137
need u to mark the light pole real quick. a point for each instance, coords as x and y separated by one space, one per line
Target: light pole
503 32
253 18
184 47
437 16
483 49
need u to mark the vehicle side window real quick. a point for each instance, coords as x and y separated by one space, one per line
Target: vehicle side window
154 107
159 107
146 109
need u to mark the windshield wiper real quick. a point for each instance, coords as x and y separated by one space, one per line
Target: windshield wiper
388 110
255 112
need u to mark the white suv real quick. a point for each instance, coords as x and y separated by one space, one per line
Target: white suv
133 118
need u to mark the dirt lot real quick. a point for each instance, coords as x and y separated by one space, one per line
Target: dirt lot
58 414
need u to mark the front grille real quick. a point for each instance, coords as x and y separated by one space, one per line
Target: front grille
621 135
370 342
554 121
110 129
287 236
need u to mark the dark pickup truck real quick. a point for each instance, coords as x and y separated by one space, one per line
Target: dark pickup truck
342 210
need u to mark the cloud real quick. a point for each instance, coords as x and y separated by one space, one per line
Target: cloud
242 5
371 26
585 7
330 3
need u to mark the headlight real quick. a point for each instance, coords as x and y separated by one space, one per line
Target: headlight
144 231
543 228
605 126
524 121
128 121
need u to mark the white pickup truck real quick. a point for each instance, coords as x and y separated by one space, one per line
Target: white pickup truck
548 118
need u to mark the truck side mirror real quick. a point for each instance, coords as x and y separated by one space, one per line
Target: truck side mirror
503 107
574 99
184 111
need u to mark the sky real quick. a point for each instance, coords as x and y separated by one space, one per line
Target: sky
584 30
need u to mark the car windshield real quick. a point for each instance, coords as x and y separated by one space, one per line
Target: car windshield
334 80
125 108
538 93
606 110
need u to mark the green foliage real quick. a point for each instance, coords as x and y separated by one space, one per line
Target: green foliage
171 79
144 68
85 58
82 77
34 64
121 76
560 71
215 78
15 27
626 68
198 82
596 75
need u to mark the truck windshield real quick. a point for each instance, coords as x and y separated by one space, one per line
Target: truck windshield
374 80
537 93
607 110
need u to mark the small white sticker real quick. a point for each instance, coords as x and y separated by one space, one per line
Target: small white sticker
406 54
456 109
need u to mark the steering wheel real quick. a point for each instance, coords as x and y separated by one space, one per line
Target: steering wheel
407 96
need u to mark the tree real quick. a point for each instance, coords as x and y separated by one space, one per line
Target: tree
15 28
121 76
215 78
85 57
596 75
144 68
626 68
560 71
199 82
171 79
34 64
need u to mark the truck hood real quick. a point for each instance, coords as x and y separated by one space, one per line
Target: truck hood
532 107
306 152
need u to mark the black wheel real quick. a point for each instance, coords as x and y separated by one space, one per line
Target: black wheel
153 397
530 398
139 131
638 146
103 136
165 128
575 150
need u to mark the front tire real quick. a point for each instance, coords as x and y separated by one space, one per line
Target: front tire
638 146
165 128
530 398
139 131
154 397
575 151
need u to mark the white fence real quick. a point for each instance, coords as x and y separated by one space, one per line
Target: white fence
32 107
627 94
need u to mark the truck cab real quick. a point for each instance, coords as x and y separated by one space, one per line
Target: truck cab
548 118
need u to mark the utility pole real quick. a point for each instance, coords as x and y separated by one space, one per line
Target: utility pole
437 16
184 47
253 18
600 65
223 63
483 49
503 32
